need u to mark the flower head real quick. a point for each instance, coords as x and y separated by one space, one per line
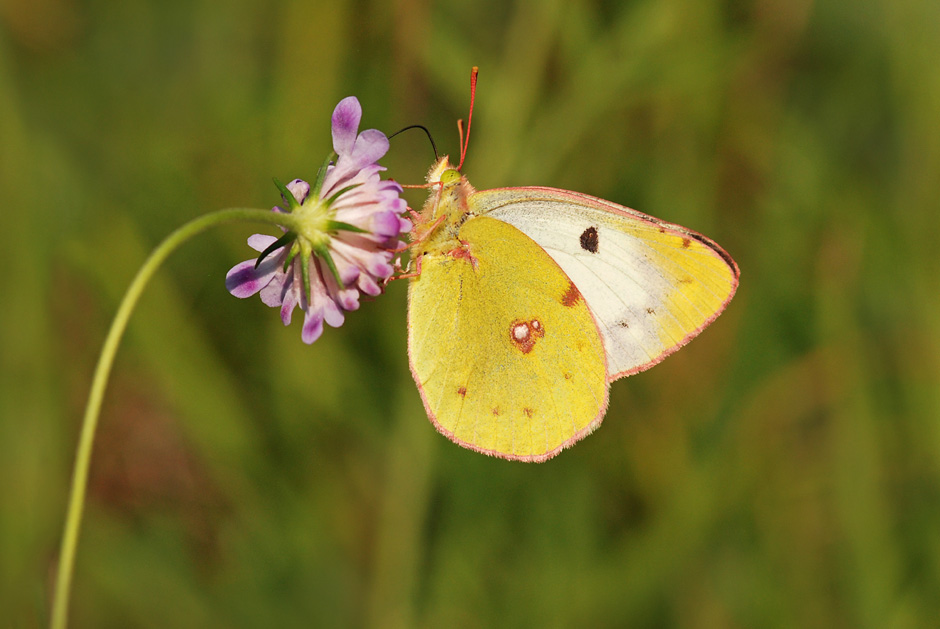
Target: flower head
340 237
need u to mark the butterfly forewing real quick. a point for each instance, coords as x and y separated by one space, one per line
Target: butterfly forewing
652 286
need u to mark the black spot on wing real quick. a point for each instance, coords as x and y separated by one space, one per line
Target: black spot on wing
589 240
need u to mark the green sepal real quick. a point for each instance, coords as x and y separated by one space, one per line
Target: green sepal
336 195
321 175
305 273
290 257
335 226
286 239
323 251
292 202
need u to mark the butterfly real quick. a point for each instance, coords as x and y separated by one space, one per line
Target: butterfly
526 303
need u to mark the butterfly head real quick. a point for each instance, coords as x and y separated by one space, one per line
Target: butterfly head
448 189
444 173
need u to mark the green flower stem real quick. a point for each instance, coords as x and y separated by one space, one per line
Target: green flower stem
73 518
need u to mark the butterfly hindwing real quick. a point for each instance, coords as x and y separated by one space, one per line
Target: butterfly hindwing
652 286
504 349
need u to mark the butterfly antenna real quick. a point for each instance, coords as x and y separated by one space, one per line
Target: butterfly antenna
426 132
465 140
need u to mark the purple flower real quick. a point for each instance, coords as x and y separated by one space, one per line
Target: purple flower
341 235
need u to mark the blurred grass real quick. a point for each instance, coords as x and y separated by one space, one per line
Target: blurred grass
781 471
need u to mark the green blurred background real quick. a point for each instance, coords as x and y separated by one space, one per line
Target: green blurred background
781 471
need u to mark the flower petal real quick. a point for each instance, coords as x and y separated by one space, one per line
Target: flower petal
273 294
385 224
346 118
348 299
369 286
289 300
313 327
299 188
332 314
260 242
371 145
244 280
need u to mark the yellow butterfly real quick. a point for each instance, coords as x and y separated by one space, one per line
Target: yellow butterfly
527 302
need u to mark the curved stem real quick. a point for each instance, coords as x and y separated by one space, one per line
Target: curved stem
76 505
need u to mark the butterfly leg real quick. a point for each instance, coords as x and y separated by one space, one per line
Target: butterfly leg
404 276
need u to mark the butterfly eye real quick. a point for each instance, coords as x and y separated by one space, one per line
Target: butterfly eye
450 176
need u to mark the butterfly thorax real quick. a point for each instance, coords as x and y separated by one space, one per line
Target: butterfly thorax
445 210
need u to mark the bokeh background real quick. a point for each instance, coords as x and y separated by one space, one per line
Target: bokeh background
781 471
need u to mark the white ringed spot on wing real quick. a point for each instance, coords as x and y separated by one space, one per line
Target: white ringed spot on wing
524 334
